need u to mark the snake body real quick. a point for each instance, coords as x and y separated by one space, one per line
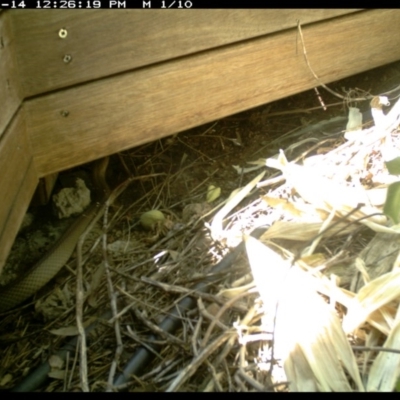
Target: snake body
51 263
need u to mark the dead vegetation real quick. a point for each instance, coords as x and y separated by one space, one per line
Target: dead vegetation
195 303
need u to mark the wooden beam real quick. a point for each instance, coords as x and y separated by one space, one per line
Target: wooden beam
10 98
106 42
15 151
83 123
18 181
44 190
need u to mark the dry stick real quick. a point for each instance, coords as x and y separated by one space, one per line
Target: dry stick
79 306
182 290
79 283
242 362
136 338
73 366
113 302
162 376
141 177
228 346
195 336
320 99
214 376
209 129
231 342
133 304
160 370
113 295
238 380
316 76
65 384
191 368
312 71
160 190
215 320
228 375
80 291
122 161
160 193
376 348
153 327
219 314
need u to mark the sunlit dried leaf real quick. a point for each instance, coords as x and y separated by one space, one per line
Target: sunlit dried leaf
354 119
57 374
211 386
233 292
71 330
284 205
314 260
308 334
324 193
174 254
56 362
303 231
371 297
385 369
67 331
216 225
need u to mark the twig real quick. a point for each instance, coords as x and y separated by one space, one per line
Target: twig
215 319
242 373
219 315
195 336
214 376
243 366
160 370
221 358
142 343
113 302
65 384
83 371
314 74
376 348
192 367
228 375
156 329
189 292
79 306
238 380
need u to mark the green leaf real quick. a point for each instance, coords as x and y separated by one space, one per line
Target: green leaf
393 166
397 388
392 204
213 193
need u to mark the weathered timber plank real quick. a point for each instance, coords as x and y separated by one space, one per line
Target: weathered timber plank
17 181
44 190
10 98
106 42
124 111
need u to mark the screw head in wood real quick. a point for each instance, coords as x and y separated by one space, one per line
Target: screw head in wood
63 33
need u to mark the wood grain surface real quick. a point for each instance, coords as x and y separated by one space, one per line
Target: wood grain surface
107 42
99 118
18 181
10 97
